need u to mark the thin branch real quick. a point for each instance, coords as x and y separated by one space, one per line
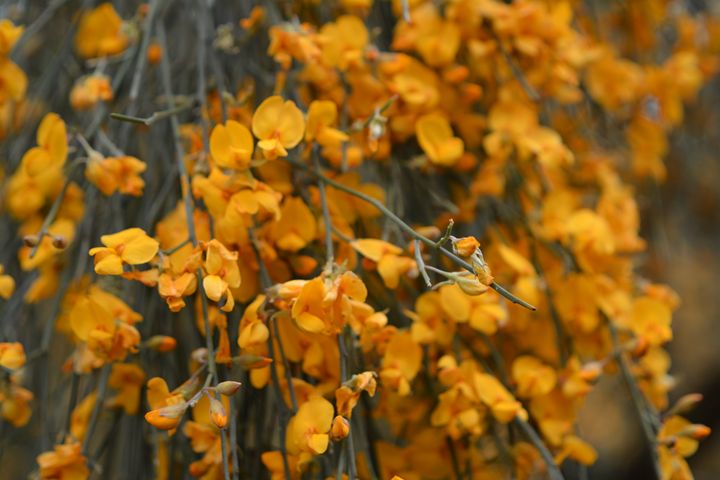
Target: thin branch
160 115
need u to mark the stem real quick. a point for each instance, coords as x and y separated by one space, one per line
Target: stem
329 252
155 117
102 390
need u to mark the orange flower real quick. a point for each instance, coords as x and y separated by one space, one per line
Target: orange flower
113 174
437 141
174 288
533 378
100 33
222 273
65 462
12 355
279 125
167 408
295 228
307 431
15 404
7 284
9 34
231 145
390 264
501 402
401 363
131 247
127 379
322 114
88 91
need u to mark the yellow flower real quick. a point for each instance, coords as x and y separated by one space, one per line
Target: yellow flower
437 141
279 125
307 431
13 81
231 145
100 33
121 174
322 114
12 355
66 462
7 284
131 247
9 34
52 146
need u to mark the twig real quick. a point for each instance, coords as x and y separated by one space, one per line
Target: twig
421 264
101 391
329 252
170 112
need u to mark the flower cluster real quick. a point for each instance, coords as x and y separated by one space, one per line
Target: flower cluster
388 240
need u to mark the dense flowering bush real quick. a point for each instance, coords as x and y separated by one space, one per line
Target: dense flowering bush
354 239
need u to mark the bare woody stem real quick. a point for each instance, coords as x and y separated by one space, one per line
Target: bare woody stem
409 230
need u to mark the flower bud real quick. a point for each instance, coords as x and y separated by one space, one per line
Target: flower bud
695 431
188 388
59 242
217 413
465 246
340 428
166 418
31 240
251 362
200 355
685 404
161 343
228 388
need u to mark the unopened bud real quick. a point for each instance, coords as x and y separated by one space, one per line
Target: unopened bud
161 343
166 418
639 347
59 242
251 362
465 246
685 404
591 371
228 388
340 428
200 355
217 413
31 240
695 431
188 388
